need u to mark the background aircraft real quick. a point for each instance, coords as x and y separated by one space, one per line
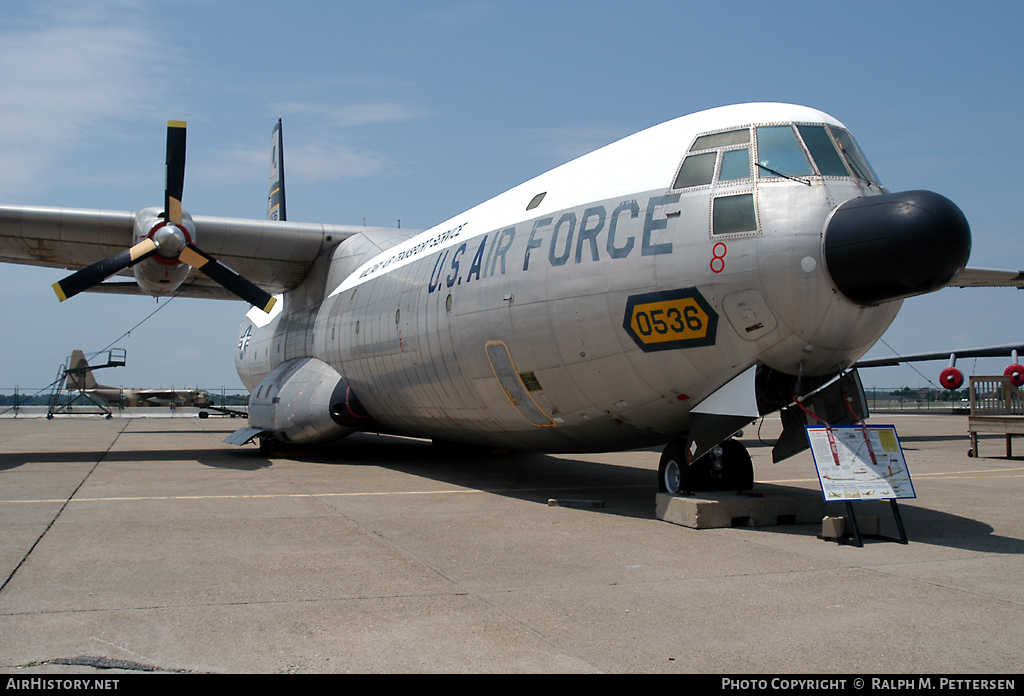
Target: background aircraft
79 378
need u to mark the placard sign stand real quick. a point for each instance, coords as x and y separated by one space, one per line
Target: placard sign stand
857 462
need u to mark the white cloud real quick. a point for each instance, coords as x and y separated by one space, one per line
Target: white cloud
322 161
353 115
66 74
319 150
328 160
555 146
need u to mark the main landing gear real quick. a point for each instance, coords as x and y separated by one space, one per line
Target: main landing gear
727 467
268 444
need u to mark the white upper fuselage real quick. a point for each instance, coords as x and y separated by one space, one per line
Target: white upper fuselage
598 318
644 161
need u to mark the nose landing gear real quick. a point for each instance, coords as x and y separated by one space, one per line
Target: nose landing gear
726 467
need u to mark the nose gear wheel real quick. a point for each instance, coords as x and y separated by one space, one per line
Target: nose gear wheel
726 467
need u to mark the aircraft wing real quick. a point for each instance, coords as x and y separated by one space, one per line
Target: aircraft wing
274 255
988 278
984 352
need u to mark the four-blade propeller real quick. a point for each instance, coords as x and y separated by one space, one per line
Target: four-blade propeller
170 239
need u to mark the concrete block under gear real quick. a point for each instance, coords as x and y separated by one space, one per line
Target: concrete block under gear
766 506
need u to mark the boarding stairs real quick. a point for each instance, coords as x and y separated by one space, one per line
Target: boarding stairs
996 407
82 402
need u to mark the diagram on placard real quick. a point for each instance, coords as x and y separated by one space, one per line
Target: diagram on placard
860 463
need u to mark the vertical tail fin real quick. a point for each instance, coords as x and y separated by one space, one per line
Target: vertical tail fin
77 378
275 204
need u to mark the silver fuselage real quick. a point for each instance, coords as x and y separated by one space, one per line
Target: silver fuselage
430 331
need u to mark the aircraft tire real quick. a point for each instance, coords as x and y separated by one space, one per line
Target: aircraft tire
737 469
674 476
672 469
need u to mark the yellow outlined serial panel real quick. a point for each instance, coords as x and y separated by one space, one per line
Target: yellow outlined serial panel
670 319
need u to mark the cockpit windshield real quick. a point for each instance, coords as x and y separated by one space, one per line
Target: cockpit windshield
796 152
859 165
779 153
832 150
822 150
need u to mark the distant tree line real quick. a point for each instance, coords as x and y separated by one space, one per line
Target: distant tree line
42 400
910 393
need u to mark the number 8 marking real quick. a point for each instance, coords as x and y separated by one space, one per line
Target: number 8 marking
718 256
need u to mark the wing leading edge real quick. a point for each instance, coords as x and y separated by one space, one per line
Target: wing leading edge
984 352
274 255
988 278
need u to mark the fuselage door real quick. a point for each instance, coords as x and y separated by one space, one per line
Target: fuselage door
512 383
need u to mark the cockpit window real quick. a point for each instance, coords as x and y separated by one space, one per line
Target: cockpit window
731 214
697 170
735 165
734 137
779 153
823 151
699 167
858 164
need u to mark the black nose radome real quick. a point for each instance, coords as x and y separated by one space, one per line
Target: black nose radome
896 245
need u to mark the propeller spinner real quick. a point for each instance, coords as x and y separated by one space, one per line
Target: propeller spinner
170 239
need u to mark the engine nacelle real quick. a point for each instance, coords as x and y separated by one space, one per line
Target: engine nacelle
1015 372
306 401
951 378
158 275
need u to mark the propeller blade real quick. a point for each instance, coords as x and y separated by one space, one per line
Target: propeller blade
175 181
101 270
227 278
170 238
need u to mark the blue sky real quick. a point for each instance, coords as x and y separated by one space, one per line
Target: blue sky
415 111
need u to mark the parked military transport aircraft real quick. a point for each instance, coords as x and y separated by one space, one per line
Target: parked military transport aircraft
666 289
79 378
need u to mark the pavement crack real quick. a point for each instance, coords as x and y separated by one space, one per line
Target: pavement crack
49 525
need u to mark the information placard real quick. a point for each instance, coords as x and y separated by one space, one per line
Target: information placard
860 463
